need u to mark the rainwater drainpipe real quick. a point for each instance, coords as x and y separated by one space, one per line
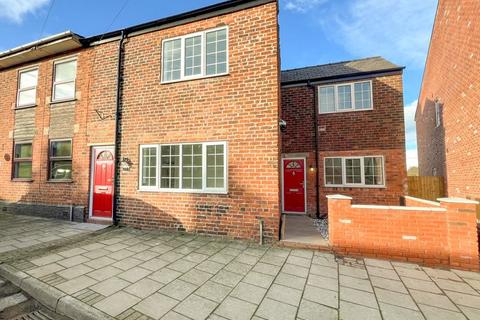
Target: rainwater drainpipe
116 185
315 130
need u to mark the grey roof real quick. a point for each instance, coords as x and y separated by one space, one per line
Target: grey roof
339 70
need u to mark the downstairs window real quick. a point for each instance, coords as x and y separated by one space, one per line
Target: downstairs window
186 167
354 171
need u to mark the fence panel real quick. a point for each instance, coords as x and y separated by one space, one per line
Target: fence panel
430 188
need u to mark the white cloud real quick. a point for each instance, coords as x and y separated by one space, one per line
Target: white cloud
411 134
15 10
302 6
412 158
396 29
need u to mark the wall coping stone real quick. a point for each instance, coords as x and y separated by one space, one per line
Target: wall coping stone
338 197
433 203
458 200
367 206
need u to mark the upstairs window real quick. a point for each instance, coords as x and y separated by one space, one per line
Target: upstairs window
22 160
345 97
27 88
194 56
60 158
188 167
65 73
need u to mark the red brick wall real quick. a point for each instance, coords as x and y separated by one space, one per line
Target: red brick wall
452 76
362 133
438 236
95 89
241 108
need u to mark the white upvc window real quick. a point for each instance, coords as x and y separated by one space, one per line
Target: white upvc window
186 167
355 96
197 55
27 87
64 78
358 171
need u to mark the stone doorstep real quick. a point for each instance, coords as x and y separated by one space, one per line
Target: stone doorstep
51 297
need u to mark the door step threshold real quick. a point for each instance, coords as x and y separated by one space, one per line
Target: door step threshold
106 222
303 245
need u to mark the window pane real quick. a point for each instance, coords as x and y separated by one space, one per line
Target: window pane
216 52
327 99
344 97
363 95
27 97
215 166
373 171
64 91
333 171
65 71
28 79
170 167
191 169
22 170
61 148
149 166
353 171
23 150
172 55
61 170
193 54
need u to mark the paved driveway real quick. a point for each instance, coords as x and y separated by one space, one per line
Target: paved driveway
131 274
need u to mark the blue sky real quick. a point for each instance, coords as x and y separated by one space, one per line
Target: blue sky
312 31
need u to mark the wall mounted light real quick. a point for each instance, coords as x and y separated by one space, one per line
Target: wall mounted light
126 164
312 169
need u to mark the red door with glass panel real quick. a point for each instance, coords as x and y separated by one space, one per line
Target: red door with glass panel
102 189
294 185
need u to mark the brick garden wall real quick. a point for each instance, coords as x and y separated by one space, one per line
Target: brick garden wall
442 235
241 108
377 132
452 77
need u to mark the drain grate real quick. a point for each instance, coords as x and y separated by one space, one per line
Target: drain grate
36 315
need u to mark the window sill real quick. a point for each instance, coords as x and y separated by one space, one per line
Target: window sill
182 191
195 78
60 181
21 180
354 186
344 111
28 106
62 101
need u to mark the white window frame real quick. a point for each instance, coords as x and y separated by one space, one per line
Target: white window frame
352 93
203 65
140 169
55 83
204 189
437 115
344 173
19 90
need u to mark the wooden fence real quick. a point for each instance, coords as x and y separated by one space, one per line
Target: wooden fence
429 188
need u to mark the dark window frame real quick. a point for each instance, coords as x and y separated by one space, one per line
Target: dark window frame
16 160
52 160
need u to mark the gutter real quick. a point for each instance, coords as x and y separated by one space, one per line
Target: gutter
315 129
118 112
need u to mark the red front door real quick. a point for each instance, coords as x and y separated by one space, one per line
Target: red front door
103 171
294 185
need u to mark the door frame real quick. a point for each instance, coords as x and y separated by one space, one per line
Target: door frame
304 182
92 176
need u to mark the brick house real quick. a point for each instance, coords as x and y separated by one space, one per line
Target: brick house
448 111
344 129
178 108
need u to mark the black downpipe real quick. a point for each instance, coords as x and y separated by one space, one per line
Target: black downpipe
315 130
118 112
